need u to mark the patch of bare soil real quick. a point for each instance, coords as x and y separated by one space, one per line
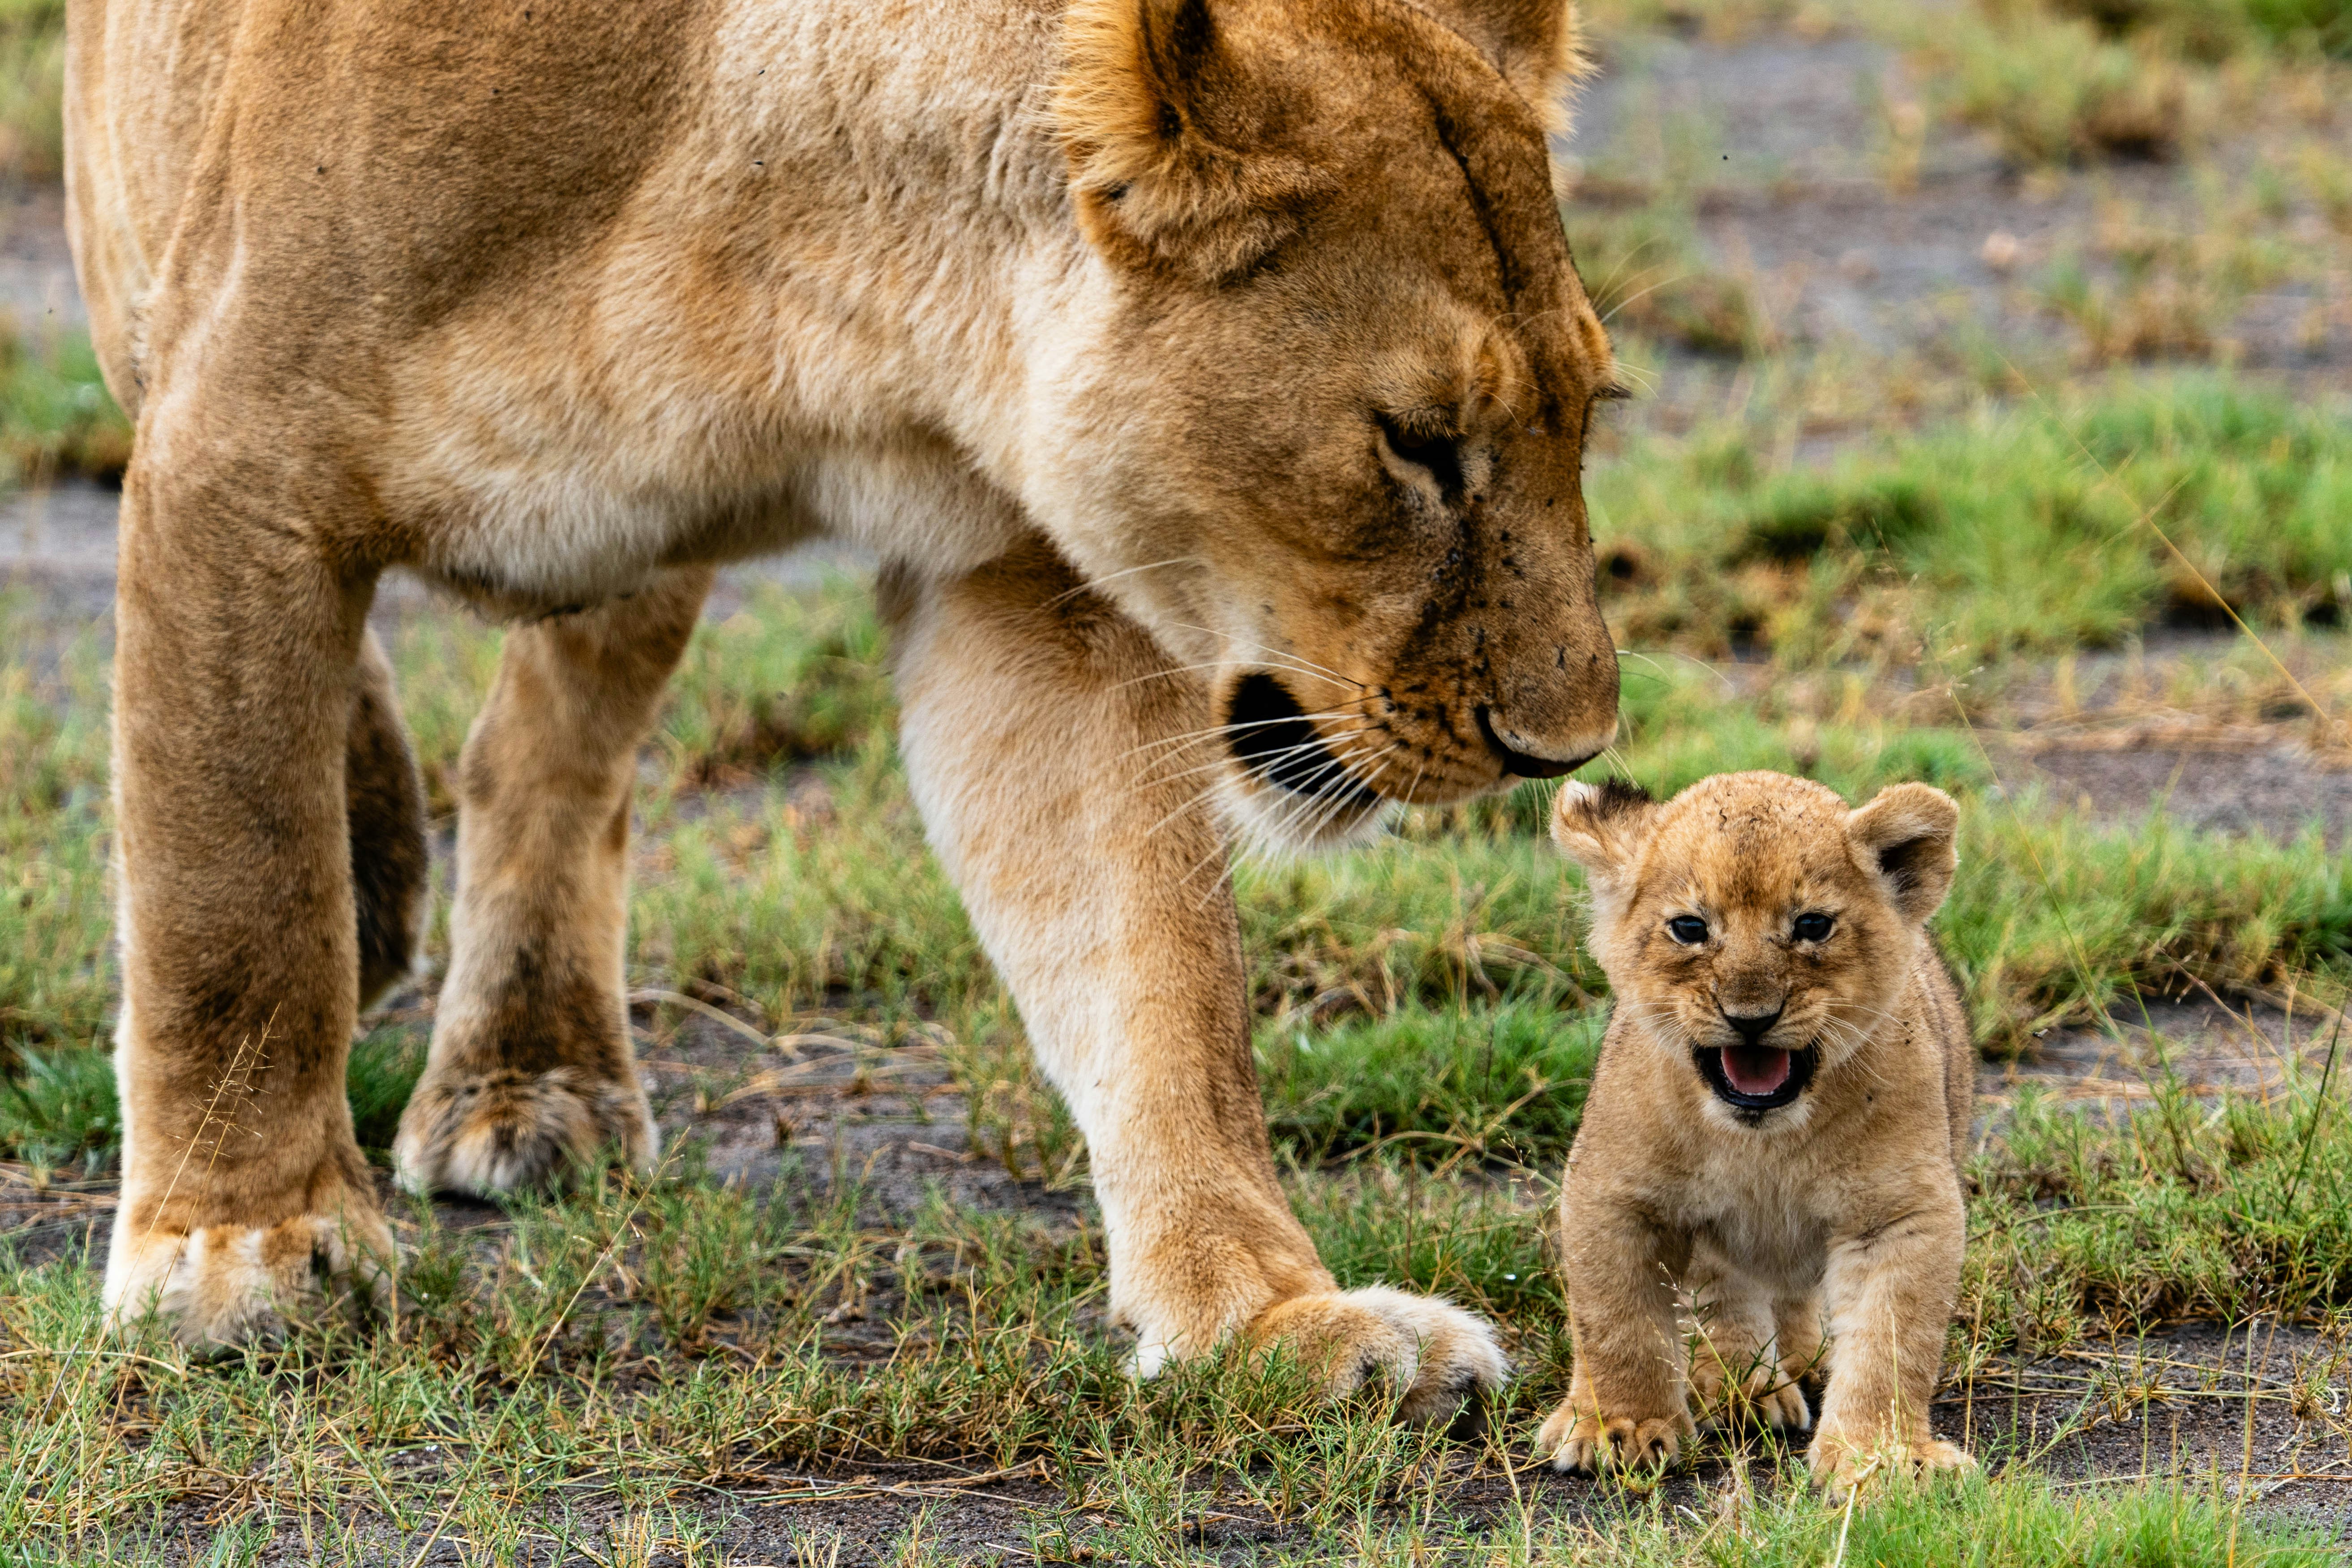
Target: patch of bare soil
2204 1045
1857 221
2280 791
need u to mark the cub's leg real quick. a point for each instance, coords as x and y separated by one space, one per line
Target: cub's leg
1032 712
1627 1403
238 679
1890 1295
1736 1365
385 805
1803 1345
531 1069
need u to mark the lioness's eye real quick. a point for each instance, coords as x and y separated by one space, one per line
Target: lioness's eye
1812 926
1438 454
1688 929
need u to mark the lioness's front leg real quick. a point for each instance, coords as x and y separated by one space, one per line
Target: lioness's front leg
244 1199
1034 716
530 1068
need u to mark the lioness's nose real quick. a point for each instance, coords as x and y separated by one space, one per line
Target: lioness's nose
1752 1026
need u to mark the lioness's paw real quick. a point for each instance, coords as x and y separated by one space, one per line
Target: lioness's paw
1585 1440
1435 1355
485 1132
222 1286
1839 1463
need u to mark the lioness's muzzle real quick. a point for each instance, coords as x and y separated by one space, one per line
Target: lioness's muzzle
1271 735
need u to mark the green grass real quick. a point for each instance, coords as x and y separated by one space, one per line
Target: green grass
59 1107
55 981
31 87
1447 1085
2018 528
668 1344
521 1364
2214 29
57 418
2191 1208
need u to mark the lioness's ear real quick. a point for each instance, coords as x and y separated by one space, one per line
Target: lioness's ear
1171 138
1602 826
1532 42
1905 838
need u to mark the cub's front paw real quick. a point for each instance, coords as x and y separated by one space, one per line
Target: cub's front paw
1764 1394
1840 1462
1438 1356
492 1132
215 1287
1586 1440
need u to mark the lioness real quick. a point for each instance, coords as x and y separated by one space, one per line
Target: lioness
1210 377
1775 1124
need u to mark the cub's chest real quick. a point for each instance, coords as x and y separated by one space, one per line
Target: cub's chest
1761 1214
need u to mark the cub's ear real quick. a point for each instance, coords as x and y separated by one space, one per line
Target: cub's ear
1905 838
1602 826
1174 140
1534 43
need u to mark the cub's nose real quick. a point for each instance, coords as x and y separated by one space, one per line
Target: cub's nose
1752 1026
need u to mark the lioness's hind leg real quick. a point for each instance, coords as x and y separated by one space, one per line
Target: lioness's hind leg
385 801
245 1204
531 1070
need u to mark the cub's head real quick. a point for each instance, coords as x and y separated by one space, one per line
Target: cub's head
1756 927
1321 417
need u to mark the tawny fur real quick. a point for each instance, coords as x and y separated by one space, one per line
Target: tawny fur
1721 1259
1122 334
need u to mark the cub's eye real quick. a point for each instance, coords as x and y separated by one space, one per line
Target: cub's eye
1812 926
1439 453
1688 929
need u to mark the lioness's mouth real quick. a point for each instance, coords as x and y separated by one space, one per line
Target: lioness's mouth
1753 1080
1270 735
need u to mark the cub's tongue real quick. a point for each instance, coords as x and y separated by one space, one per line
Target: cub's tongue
1755 1070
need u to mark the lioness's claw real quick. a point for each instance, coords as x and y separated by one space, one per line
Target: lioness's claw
496 1132
225 1285
1436 1355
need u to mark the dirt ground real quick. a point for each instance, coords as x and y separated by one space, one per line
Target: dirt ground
2237 1403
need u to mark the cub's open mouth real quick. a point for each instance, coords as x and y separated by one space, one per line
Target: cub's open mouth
1271 736
1753 1080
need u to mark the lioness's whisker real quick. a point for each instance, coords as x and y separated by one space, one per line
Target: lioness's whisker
1297 662
1218 732
1151 777
1092 583
1259 764
1197 797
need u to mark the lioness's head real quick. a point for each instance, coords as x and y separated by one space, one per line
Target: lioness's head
1753 925
1327 414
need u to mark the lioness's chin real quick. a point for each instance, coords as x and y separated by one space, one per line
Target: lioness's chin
1272 821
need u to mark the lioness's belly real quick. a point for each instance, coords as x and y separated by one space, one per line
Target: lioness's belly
561 528
570 298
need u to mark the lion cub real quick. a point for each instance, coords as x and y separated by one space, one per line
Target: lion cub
1776 1124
